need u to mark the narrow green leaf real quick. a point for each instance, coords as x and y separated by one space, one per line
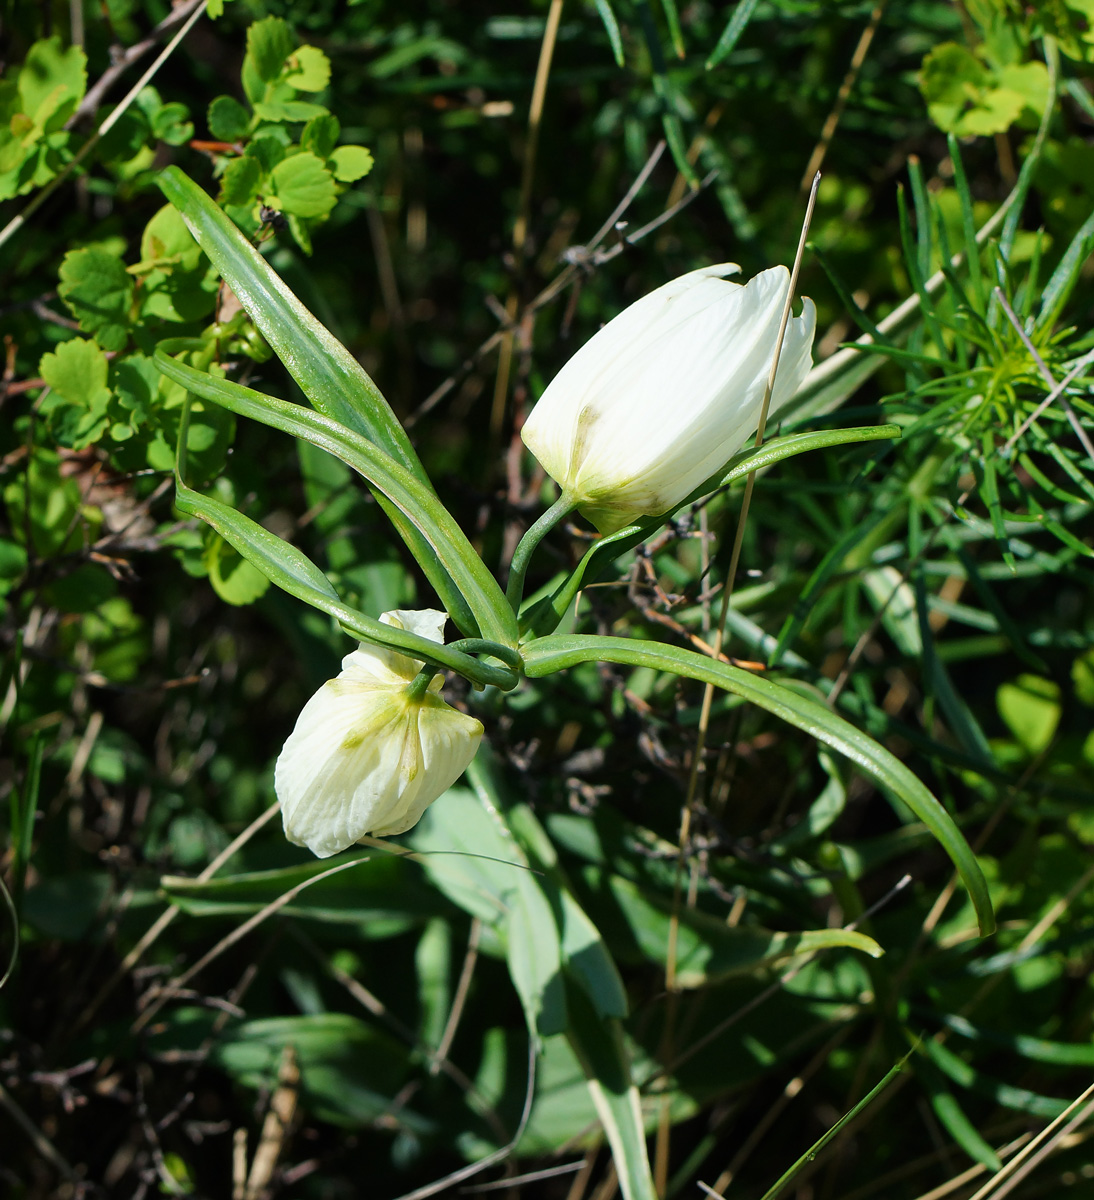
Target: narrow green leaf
547 655
23 803
599 1047
968 224
333 380
823 1141
611 25
445 545
818 581
12 916
1061 1054
1062 281
958 714
672 16
294 573
731 35
953 1119
1004 1094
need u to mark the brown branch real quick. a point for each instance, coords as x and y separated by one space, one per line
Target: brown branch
125 58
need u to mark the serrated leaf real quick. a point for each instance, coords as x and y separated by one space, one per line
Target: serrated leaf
172 124
308 69
228 120
302 185
350 163
240 181
77 371
269 44
52 82
266 151
320 135
288 110
98 292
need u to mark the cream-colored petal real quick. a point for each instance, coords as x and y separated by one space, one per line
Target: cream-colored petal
448 740
667 393
342 771
389 667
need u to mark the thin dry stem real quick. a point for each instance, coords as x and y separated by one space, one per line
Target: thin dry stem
828 132
18 221
520 228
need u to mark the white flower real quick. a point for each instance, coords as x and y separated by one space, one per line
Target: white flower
667 392
366 755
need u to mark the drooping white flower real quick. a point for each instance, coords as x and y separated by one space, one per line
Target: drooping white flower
667 392
367 756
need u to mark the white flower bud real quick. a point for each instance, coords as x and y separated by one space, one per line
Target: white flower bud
667 392
367 756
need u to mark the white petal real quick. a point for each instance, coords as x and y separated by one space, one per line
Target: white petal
344 767
448 740
381 665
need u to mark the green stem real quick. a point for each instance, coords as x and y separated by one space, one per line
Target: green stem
518 568
419 685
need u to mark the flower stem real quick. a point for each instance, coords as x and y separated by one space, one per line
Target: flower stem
419 685
518 568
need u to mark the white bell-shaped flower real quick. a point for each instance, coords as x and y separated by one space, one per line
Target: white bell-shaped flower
368 756
667 392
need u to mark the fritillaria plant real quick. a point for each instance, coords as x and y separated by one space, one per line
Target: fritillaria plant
648 416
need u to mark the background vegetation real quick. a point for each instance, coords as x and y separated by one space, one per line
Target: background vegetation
429 178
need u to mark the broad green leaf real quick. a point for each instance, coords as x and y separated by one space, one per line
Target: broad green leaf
99 292
301 184
269 44
709 951
287 110
384 898
77 371
584 953
167 242
472 857
350 1071
424 513
350 163
240 182
1030 706
172 125
52 82
550 654
227 119
320 135
308 69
